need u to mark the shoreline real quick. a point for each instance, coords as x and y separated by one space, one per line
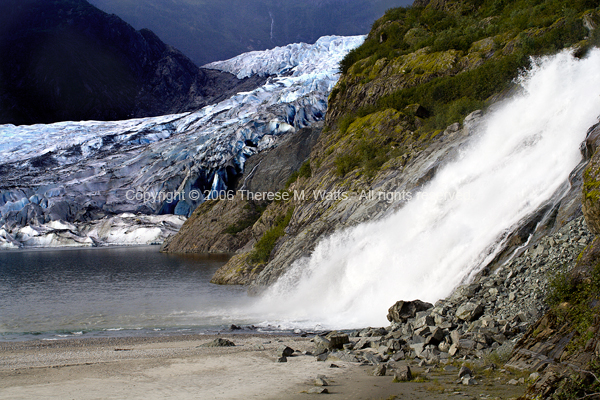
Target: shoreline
175 367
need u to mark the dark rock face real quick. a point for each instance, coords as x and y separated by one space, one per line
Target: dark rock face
269 171
66 60
205 230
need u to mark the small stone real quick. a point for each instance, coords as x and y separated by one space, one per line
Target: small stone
321 382
534 376
468 381
513 382
322 356
469 311
219 342
464 371
285 351
334 365
318 390
380 370
282 359
453 350
444 347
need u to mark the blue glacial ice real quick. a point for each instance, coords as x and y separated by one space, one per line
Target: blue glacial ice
81 172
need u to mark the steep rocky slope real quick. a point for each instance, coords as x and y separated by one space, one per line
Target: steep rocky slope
563 346
68 61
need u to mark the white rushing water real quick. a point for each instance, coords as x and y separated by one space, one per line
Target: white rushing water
524 151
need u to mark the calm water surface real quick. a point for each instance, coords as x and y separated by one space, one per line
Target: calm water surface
113 292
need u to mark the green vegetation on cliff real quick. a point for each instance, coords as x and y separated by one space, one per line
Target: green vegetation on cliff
243 223
459 24
303 172
451 57
266 244
574 315
575 298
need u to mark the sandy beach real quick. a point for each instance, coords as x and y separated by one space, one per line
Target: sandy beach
175 367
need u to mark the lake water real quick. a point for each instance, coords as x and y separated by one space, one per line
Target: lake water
124 291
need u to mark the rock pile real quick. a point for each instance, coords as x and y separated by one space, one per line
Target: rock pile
484 317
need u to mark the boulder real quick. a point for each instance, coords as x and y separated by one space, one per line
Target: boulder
403 310
469 311
399 355
436 337
426 320
403 374
337 340
417 348
591 143
444 347
322 344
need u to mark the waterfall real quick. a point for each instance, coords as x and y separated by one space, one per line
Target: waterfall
523 152
272 24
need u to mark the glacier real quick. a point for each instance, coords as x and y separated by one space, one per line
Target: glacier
94 183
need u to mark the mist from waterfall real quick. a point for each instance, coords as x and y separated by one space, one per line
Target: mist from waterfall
523 152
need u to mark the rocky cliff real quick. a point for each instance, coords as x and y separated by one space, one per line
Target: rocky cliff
68 61
396 115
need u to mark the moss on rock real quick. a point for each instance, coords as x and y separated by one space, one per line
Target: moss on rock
591 194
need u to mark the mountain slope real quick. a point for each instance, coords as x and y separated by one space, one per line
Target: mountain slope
67 60
212 30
